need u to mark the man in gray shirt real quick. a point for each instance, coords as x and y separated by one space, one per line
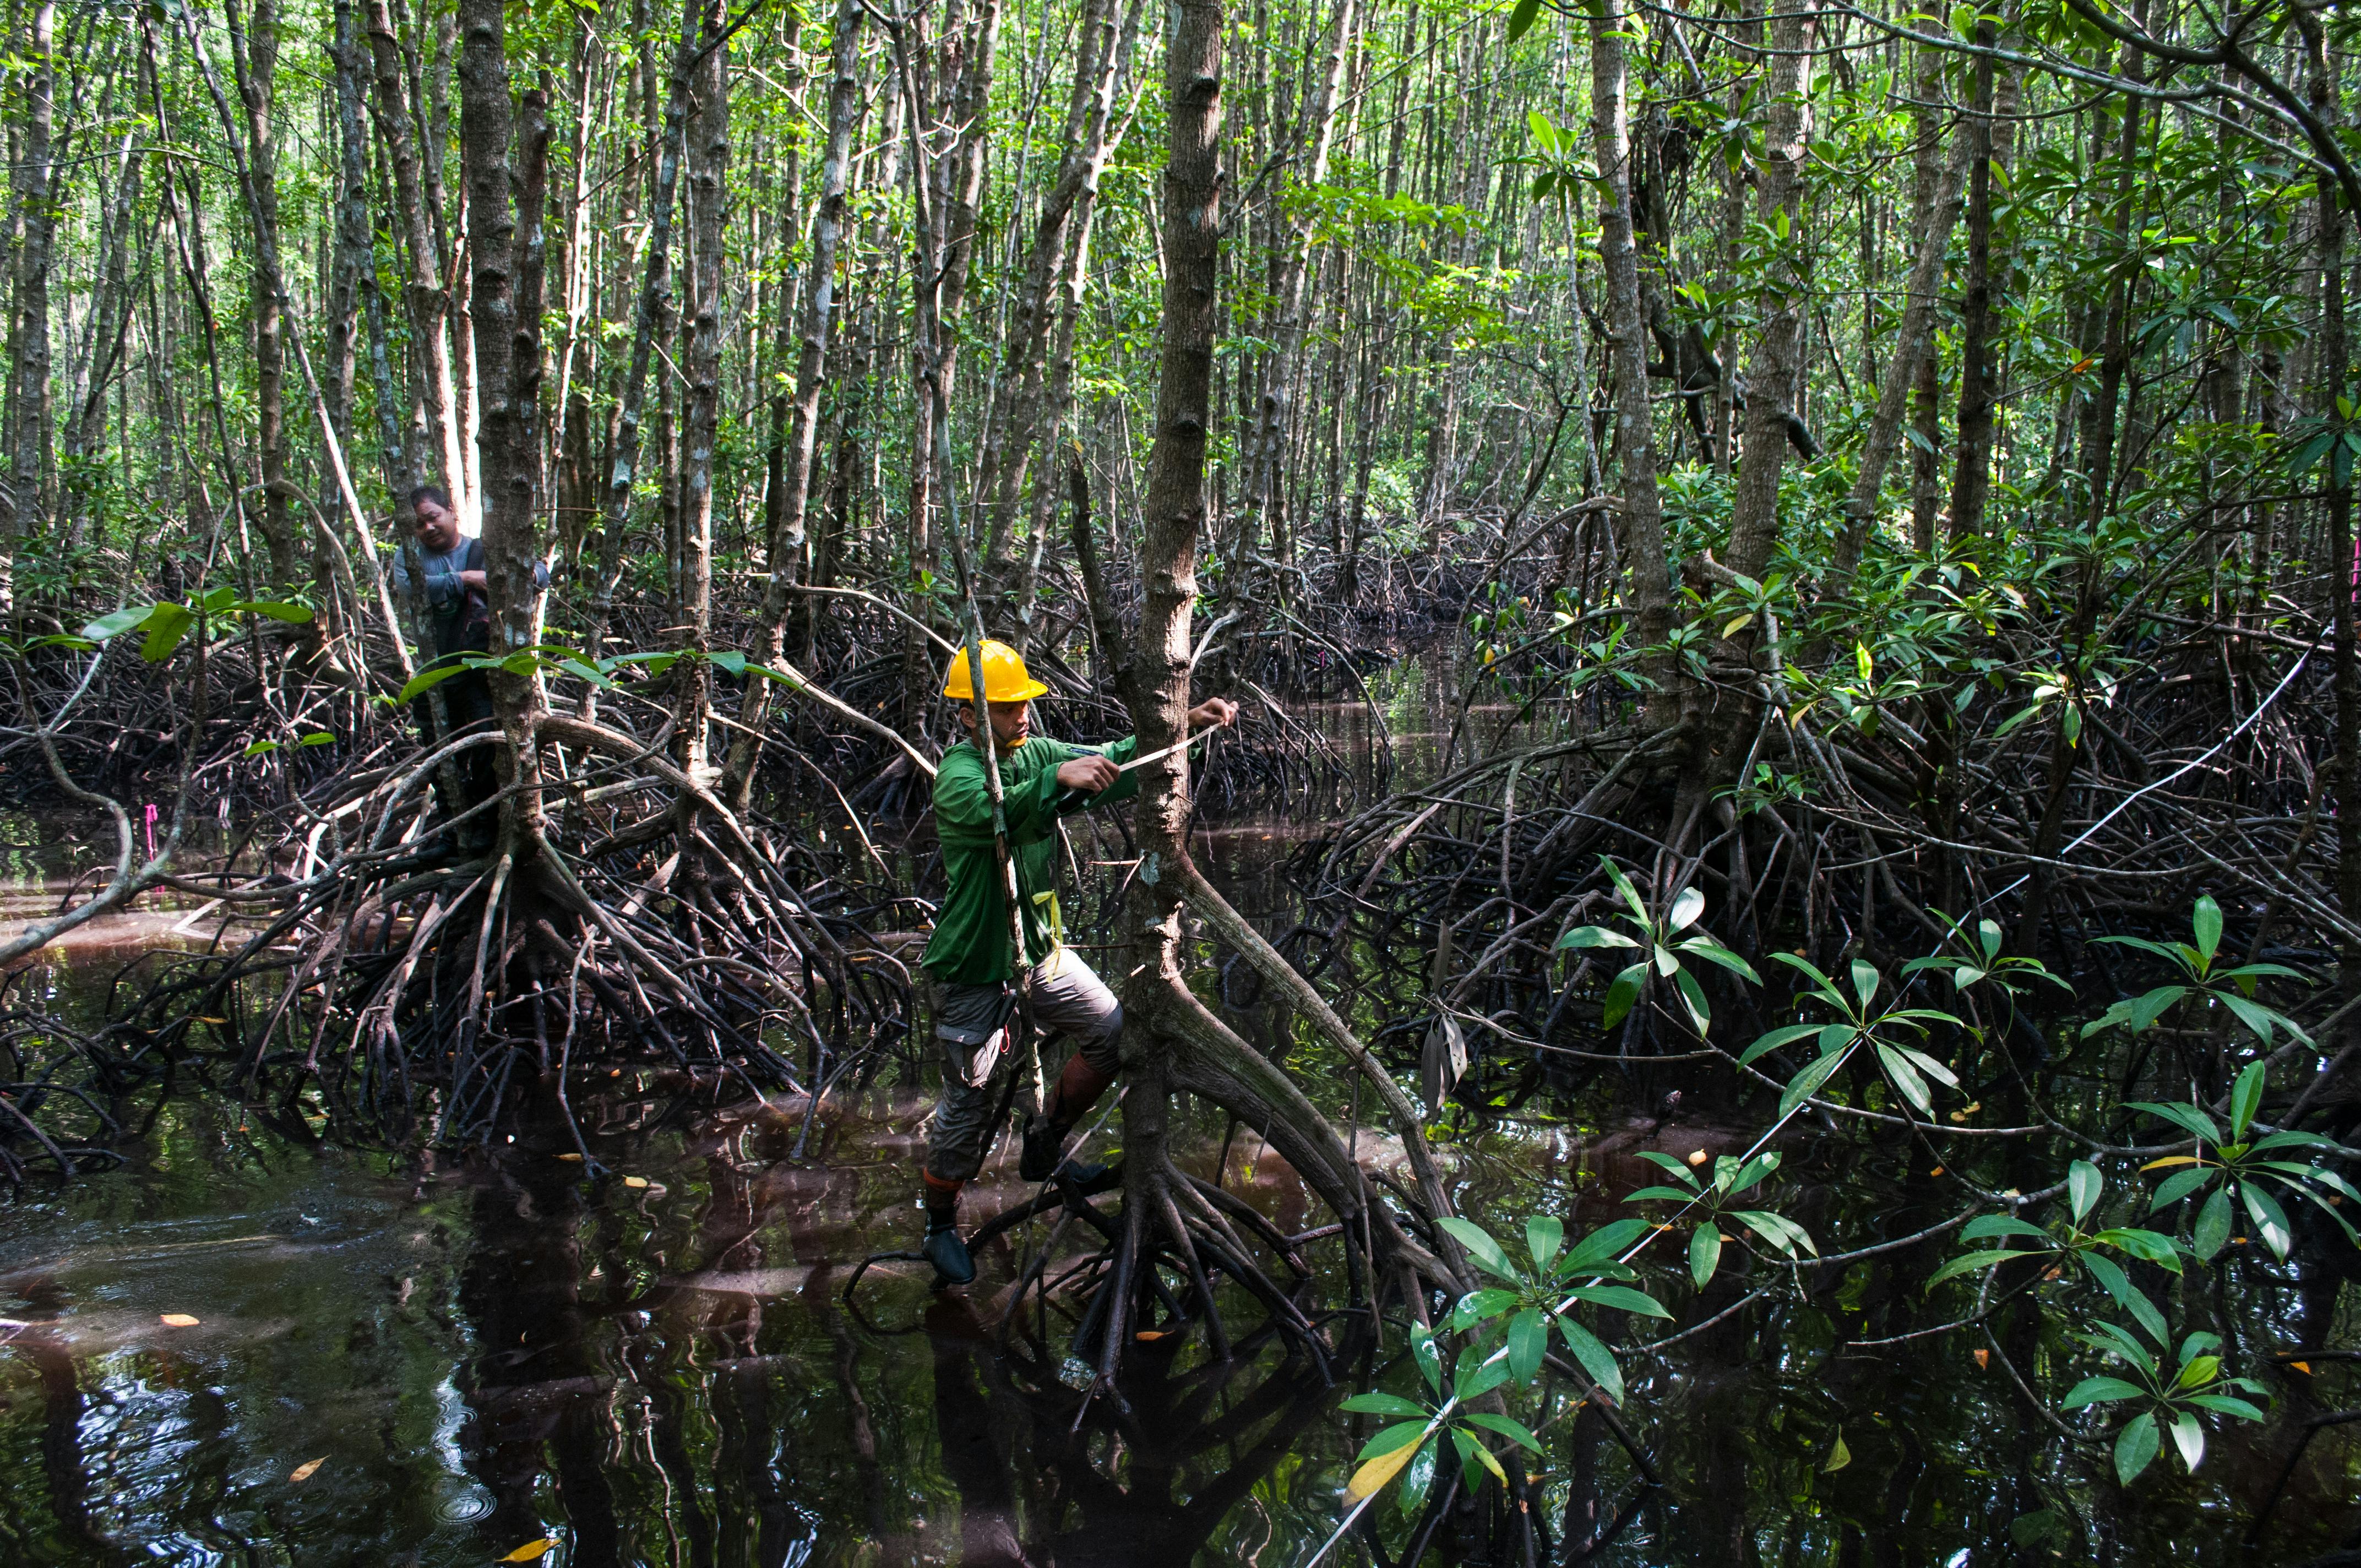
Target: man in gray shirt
455 621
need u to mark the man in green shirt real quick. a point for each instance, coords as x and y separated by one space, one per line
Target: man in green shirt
968 958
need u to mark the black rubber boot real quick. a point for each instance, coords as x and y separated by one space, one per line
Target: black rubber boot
1044 1140
949 1254
1088 1176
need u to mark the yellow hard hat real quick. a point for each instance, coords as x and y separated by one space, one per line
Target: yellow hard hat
1004 679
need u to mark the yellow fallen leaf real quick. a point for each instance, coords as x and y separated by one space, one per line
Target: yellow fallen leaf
202 1019
531 1550
1371 1477
636 1181
1150 1336
2237 1241
575 1157
1697 1157
179 1320
1937 1171
2302 1367
306 1471
1983 1358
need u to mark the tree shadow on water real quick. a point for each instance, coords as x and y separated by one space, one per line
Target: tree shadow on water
1143 1481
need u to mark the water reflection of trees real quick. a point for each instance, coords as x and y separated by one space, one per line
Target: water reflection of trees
677 1380
670 1379
1142 1481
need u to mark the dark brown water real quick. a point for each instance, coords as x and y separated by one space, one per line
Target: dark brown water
659 1365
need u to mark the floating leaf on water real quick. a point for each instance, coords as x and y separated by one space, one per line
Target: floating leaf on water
572 1157
636 1181
1698 1157
306 1471
1937 1171
531 1550
1983 1358
179 1320
2302 1367
1150 1336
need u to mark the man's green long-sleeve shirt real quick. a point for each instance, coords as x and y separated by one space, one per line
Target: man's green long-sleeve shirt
970 946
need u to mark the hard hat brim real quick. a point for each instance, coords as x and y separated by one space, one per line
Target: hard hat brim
962 692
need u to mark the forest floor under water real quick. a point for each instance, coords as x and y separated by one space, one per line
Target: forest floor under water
241 1346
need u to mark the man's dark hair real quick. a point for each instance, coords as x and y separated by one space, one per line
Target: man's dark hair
435 493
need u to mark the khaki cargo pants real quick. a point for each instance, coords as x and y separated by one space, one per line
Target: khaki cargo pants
1068 1001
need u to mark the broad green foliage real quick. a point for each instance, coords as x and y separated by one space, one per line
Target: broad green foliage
2173 1396
2232 1166
1980 960
1860 1019
1732 1177
2094 1251
169 623
1495 1337
2232 988
2071 1245
556 658
1664 951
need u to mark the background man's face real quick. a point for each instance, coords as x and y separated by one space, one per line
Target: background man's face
437 529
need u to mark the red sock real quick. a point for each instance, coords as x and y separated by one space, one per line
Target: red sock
942 1198
1079 1088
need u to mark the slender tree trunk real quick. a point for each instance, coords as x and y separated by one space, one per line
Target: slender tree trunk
1911 359
793 477
647 315
708 217
946 182
511 516
1054 272
526 366
1273 423
1177 1042
428 302
1158 681
1051 416
28 379
2327 106
111 314
1775 368
254 56
2099 452
1635 442
1971 479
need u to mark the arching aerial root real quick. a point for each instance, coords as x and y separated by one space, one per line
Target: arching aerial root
647 925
